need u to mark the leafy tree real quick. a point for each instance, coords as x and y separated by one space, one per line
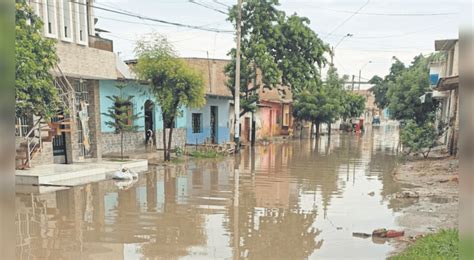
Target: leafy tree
35 92
173 83
334 89
405 91
380 89
121 115
299 52
354 105
421 137
279 49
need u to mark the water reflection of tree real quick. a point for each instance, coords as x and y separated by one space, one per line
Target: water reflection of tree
176 229
281 234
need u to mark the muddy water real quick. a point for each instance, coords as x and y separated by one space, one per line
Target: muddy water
291 200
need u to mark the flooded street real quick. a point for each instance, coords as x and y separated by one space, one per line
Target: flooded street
291 200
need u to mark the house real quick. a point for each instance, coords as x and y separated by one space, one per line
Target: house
444 81
211 123
145 106
274 113
85 59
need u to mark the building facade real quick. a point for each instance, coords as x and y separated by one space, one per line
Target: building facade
85 58
444 80
210 123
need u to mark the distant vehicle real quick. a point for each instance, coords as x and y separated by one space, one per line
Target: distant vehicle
376 120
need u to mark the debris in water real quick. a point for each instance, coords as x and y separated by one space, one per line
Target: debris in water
371 193
361 235
339 228
381 232
407 195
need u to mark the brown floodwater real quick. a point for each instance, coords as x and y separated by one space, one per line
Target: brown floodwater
291 200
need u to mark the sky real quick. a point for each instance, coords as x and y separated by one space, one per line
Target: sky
381 29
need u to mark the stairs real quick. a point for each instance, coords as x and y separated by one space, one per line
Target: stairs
32 144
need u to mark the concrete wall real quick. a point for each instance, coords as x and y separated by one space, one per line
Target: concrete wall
223 131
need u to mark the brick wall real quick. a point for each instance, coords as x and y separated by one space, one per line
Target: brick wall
43 157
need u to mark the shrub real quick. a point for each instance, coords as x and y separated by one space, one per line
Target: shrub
420 137
442 245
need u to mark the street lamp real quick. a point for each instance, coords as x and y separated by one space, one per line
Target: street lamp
337 44
360 70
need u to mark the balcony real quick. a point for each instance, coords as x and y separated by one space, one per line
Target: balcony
101 43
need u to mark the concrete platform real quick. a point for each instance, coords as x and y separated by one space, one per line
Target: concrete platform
75 174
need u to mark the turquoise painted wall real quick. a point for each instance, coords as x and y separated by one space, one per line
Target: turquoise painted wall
223 132
140 93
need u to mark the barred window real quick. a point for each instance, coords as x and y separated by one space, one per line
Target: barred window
197 123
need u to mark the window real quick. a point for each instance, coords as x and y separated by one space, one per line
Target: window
65 8
197 123
81 22
49 18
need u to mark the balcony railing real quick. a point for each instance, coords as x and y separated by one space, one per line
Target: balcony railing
101 43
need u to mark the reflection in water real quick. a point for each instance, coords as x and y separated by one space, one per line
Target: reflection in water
301 199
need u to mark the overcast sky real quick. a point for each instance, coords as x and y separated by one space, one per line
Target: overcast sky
379 30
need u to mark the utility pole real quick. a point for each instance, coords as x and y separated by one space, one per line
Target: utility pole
253 135
360 72
353 77
237 81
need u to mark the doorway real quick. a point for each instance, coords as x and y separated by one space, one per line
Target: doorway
149 108
214 124
59 141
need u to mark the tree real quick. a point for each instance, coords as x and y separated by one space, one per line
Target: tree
35 92
335 92
282 50
121 114
354 105
405 90
173 83
421 137
380 89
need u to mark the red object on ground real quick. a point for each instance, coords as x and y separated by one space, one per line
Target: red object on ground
394 233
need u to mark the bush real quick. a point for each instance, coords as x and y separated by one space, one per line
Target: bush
420 138
442 245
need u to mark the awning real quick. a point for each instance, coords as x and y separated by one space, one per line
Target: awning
447 83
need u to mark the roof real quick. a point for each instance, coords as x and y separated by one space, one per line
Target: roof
212 71
444 45
276 94
447 83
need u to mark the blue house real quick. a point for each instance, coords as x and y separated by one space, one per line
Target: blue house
210 123
146 107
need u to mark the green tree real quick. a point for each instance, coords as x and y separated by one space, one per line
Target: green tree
354 105
121 114
421 137
405 90
173 83
280 49
35 92
380 88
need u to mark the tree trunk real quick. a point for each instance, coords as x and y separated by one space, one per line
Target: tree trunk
317 130
329 129
164 136
169 140
311 131
121 145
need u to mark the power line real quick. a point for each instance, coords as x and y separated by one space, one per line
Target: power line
208 7
126 13
348 18
220 3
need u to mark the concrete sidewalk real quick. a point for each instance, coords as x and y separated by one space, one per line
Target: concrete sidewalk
75 174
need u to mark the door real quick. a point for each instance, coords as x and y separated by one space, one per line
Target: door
247 129
59 143
149 120
214 124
